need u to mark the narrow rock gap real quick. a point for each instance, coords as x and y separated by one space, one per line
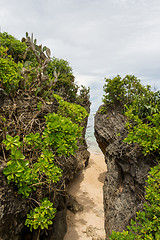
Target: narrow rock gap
87 221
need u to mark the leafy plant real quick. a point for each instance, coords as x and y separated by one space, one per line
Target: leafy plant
9 72
34 140
144 105
62 79
14 47
12 142
123 90
59 66
42 216
45 166
72 110
24 173
61 134
146 135
84 96
20 173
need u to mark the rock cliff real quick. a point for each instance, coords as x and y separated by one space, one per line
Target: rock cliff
23 114
36 154
127 170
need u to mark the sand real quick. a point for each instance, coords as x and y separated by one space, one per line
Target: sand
87 188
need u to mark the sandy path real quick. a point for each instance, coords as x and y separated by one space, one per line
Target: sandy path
87 188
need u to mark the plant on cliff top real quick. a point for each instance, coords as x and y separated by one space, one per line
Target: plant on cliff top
72 110
15 48
32 159
142 108
9 72
61 74
123 90
144 122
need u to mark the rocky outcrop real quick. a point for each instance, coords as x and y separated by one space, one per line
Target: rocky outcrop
23 115
127 170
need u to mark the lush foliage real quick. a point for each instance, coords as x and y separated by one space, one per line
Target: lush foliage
15 48
60 67
23 172
147 135
61 134
83 97
41 216
72 110
144 121
147 224
38 71
144 105
60 72
142 108
32 157
59 137
9 72
123 90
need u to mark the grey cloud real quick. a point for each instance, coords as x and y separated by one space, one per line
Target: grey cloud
99 38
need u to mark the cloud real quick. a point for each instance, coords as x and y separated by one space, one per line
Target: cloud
99 38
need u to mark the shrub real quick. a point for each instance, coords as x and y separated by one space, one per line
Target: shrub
74 111
142 108
60 72
15 48
41 217
9 72
123 90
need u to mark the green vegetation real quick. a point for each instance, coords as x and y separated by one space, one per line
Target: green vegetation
61 134
41 216
147 224
32 159
9 72
14 47
147 135
142 108
60 72
72 110
40 72
25 173
124 90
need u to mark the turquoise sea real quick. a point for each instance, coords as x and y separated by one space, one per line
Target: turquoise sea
91 141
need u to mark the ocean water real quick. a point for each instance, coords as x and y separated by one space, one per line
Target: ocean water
90 138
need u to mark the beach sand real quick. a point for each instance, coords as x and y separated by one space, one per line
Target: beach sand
87 188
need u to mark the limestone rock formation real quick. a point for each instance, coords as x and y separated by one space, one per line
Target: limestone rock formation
127 170
13 207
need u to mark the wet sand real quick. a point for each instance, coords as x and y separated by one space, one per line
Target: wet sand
87 188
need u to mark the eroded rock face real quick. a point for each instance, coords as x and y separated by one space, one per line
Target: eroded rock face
14 208
127 170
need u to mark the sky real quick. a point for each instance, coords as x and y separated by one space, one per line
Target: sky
99 38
